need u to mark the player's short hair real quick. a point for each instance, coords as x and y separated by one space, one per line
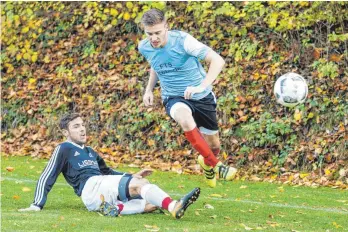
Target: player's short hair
153 17
64 121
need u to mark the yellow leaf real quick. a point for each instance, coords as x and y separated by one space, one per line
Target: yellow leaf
34 58
26 189
9 67
303 175
304 3
16 197
224 155
310 115
281 189
26 56
336 225
114 22
47 59
18 57
25 29
129 5
243 187
327 172
126 16
297 115
113 12
32 80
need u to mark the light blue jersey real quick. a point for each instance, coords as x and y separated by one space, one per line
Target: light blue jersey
177 63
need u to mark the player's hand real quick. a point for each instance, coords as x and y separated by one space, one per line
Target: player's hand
143 173
148 98
30 208
192 90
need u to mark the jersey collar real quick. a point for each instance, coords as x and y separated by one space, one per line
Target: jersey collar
75 144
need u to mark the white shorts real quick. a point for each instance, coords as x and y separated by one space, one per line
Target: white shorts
108 187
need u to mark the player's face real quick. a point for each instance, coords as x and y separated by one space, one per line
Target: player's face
77 131
157 34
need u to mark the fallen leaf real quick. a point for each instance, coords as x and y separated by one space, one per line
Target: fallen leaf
26 189
297 115
213 216
16 197
243 187
336 225
10 169
246 227
208 206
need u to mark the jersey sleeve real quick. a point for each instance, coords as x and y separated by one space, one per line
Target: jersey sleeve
105 170
49 176
195 48
141 50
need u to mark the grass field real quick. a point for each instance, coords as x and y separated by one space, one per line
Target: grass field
237 206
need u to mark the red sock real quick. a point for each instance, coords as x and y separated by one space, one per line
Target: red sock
165 203
120 207
216 151
198 142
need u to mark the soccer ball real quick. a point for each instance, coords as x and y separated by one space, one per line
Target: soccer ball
290 89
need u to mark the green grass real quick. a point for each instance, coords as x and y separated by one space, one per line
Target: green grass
245 205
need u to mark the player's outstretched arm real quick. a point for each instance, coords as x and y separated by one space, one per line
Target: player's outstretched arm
32 207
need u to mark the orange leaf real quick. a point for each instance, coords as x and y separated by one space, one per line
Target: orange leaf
10 169
335 57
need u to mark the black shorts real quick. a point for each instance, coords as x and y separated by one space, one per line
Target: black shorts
203 110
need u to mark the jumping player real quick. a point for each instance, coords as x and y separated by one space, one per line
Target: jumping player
101 188
186 88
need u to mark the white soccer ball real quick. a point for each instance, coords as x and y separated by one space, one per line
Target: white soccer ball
291 89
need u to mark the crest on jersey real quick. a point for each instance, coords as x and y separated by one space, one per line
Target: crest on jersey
76 153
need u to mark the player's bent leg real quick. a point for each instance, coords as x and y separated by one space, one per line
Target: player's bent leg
209 172
134 206
181 206
182 114
150 208
157 197
224 172
135 186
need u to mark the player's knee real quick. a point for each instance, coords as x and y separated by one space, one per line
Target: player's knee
144 181
184 118
215 145
136 185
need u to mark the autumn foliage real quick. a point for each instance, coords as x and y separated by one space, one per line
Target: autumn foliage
58 57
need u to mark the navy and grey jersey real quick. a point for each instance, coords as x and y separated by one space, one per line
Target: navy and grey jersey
77 163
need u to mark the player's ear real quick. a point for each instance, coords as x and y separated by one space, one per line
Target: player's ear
65 132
